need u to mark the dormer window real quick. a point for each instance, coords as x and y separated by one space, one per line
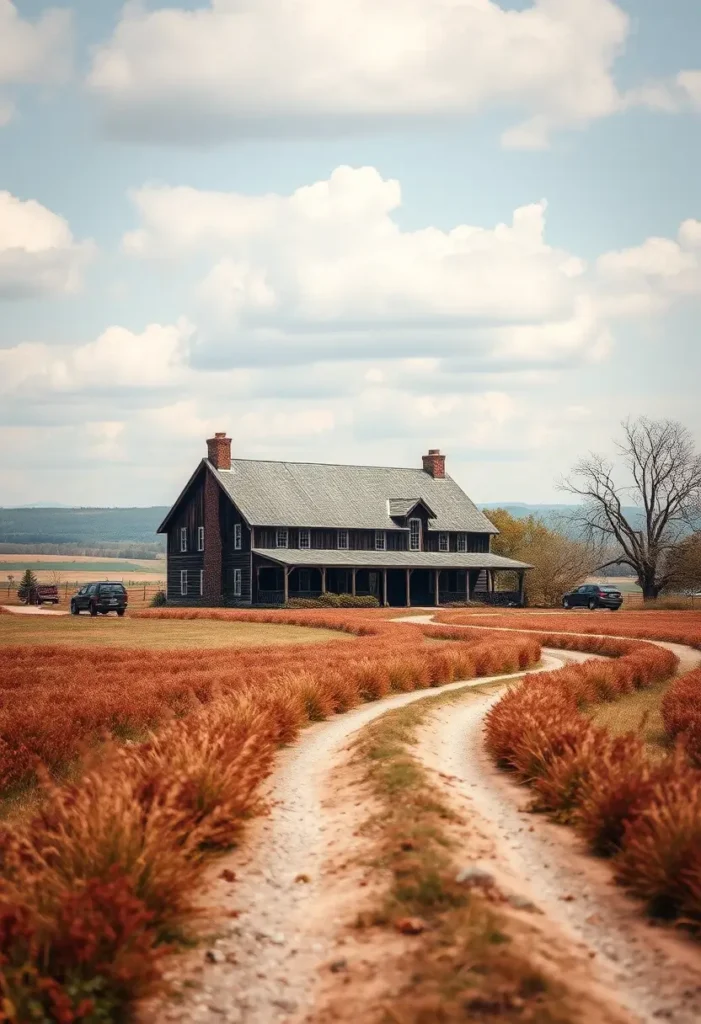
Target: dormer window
462 542
343 540
281 537
380 540
305 539
443 544
414 534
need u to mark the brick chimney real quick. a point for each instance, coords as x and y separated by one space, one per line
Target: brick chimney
434 463
219 450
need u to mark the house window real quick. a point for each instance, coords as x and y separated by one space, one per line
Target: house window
304 580
462 542
414 534
201 582
183 582
237 536
443 542
183 538
237 583
380 540
304 539
343 539
281 538
200 538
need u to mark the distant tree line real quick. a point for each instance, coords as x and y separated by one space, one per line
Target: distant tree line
125 550
115 532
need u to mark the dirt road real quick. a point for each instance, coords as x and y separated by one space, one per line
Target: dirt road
263 967
286 912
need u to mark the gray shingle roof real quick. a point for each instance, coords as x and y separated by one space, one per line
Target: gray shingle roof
332 497
400 507
389 559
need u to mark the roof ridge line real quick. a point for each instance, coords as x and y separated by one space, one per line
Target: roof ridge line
340 465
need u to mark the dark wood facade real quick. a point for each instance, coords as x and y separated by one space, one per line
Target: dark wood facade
365 540
214 557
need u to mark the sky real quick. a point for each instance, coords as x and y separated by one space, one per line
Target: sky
343 231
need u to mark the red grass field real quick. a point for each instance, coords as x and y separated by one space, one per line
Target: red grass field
644 814
102 878
682 627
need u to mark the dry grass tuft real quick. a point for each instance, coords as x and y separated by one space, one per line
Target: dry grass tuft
101 877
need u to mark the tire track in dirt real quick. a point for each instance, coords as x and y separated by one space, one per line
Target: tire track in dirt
655 973
264 966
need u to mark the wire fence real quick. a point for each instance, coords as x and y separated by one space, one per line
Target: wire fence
140 594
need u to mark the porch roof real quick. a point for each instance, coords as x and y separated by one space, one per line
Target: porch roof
334 558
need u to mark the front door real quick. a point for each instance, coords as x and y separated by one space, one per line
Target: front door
374 584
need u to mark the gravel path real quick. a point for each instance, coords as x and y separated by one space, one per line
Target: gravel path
264 966
654 974
32 609
282 928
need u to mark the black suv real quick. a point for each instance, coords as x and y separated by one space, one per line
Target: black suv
593 596
100 597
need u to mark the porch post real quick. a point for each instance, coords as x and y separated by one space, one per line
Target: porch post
323 579
521 586
490 581
286 584
408 588
384 588
437 596
353 572
467 584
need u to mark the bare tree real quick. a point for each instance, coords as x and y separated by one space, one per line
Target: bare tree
665 475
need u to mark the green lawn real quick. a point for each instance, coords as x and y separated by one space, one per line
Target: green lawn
154 634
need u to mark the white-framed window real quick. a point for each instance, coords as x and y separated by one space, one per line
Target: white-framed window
281 537
237 536
343 539
183 538
443 544
462 542
304 580
380 540
183 582
237 583
201 582
305 540
200 538
414 534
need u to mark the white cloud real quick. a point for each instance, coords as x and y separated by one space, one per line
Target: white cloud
332 256
32 52
678 94
649 277
690 82
38 254
118 358
327 270
249 66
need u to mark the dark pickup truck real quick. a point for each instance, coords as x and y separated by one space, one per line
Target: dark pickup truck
100 598
43 593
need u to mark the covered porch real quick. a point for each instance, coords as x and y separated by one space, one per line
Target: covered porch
280 575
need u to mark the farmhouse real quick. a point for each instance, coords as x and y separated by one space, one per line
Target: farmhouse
247 531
